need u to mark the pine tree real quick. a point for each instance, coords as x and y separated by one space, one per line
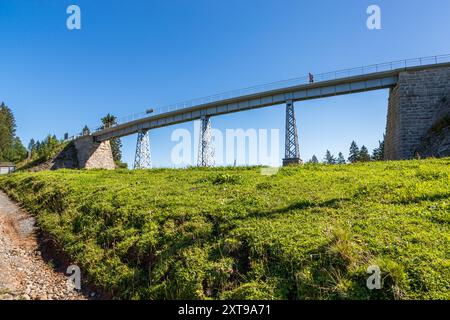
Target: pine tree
364 154
11 148
340 159
354 153
329 158
116 144
7 132
7 119
46 148
31 145
18 151
378 153
5 141
314 159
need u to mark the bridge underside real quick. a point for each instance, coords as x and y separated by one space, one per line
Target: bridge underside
299 93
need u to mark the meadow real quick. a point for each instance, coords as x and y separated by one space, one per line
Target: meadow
307 232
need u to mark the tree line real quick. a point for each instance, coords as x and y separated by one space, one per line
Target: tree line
356 154
44 149
11 148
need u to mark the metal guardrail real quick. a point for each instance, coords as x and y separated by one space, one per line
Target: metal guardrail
334 75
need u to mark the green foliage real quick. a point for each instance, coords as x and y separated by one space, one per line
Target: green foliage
378 153
340 159
45 149
226 178
313 159
32 145
354 153
364 154
121 165
11 148
42 151
329 158
308 232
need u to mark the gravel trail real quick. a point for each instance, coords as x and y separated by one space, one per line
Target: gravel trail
24 274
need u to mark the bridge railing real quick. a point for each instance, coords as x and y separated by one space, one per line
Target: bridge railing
335 75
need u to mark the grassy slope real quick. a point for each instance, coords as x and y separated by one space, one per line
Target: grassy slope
305 233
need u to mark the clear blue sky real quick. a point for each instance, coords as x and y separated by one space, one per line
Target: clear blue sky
130 55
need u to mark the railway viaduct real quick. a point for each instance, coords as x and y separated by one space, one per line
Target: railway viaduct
419 92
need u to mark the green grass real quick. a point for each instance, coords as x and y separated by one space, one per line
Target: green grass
231 233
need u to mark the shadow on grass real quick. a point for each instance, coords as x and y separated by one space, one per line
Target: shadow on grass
434 197
300 205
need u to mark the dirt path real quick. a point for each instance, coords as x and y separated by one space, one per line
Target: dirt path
23 272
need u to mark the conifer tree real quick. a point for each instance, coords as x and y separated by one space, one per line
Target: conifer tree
31 145
354 153
378 153
7 132
364 154
340 159
18 151
11 148
329 158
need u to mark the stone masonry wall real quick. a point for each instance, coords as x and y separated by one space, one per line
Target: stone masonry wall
413 105
94 155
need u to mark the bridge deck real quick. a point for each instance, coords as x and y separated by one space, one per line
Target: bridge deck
339 86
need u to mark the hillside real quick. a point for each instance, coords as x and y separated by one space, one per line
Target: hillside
54 156
306 233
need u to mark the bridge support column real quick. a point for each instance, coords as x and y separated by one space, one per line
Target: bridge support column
291 147
205 148
92 154
418 107
143 157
